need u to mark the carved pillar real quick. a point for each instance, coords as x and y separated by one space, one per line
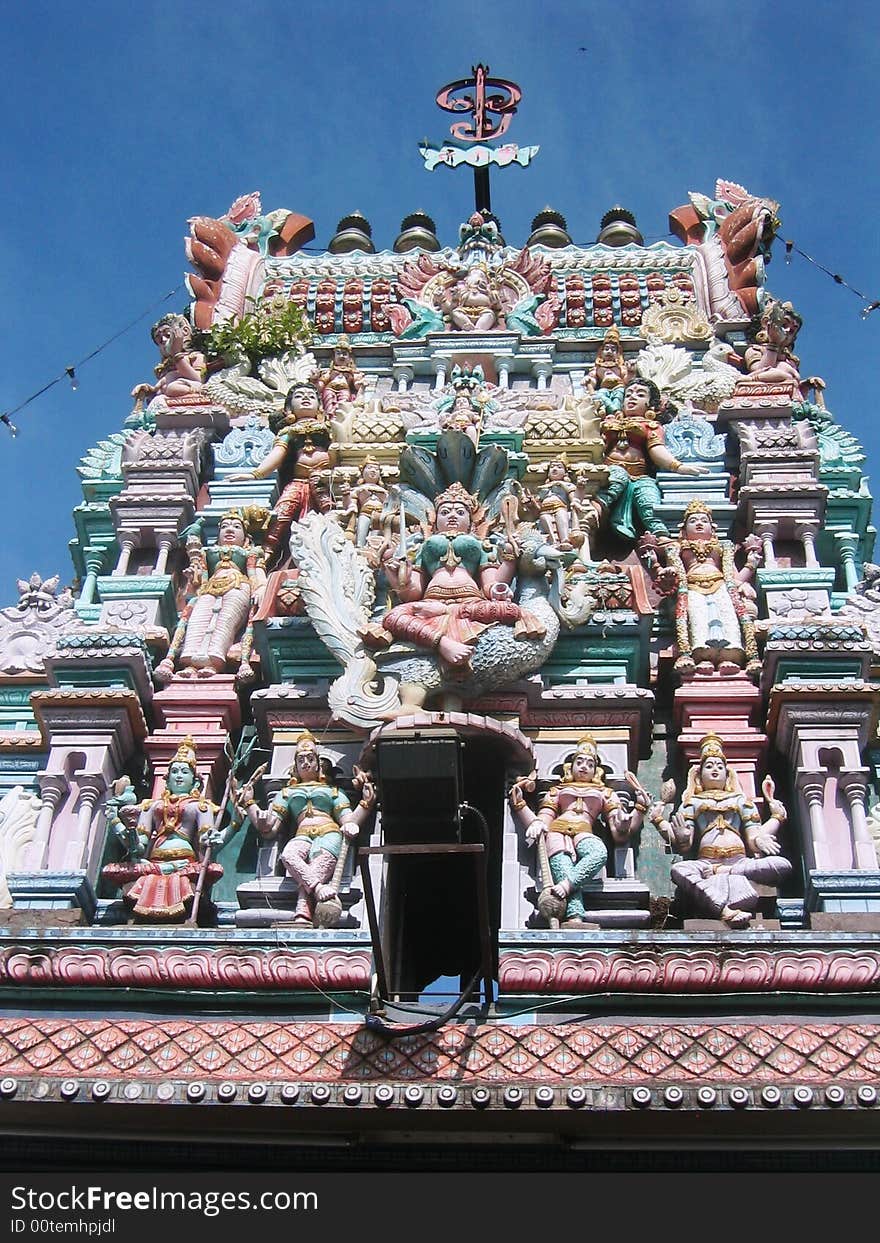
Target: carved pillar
543 372
403 374
853 785
766 532
440 365
806 533
166 543
577 383
811 785
79 849
847 542
126 548
503 365
94 559
53 789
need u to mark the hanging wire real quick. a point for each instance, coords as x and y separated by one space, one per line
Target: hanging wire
70 373
835 276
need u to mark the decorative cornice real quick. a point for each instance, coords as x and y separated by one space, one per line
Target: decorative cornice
37 963
711 969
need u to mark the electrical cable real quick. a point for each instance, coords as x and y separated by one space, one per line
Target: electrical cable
69 373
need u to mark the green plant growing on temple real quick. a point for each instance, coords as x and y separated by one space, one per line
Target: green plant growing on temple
270 327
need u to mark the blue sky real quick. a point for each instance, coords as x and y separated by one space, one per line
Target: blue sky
121 121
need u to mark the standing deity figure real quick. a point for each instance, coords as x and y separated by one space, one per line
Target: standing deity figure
369 496
634 444
166 844
302 449
771 359
715 603
733 847
318 823
564 830
181 372
341 381
228 579
555 500
610 372
454 589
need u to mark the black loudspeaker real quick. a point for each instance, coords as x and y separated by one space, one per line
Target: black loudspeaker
418 773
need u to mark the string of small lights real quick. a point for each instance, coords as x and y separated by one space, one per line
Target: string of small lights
70 372
835 276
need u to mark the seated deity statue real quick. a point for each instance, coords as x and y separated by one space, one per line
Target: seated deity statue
453 589
315 822
564 830
181 372
166 844
732 849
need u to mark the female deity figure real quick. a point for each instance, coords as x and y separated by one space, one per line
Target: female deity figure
715 605
302 449
453 589
635 444
181 372
555 498
733 847
163 847
228 579
341 381
564 830
610 372
318 822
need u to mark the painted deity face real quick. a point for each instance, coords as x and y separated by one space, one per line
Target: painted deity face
558 470
637 399
713 773
699 526
173 337
231 532
307 763
181 778
453 516
583 766
371 473
302 399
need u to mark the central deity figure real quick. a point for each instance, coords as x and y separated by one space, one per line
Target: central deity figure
453 590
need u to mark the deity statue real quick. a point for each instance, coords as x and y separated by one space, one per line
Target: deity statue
733 846
316 822
564 831
554 498
341 381
634 443
610 372
369 496
302 448
181 373
771 359
464 408
472 303
453 589
166 841
715 606
228 579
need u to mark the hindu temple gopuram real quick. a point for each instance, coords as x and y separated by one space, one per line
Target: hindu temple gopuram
463 718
